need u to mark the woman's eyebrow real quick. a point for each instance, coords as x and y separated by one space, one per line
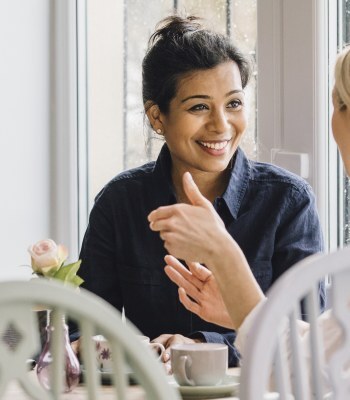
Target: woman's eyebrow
204 96
196 96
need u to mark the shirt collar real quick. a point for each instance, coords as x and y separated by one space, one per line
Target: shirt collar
238 182
236 187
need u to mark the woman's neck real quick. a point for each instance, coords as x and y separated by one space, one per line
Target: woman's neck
210 184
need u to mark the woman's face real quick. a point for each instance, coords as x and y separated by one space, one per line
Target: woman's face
341 130
206 119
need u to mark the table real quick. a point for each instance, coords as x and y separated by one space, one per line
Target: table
79 393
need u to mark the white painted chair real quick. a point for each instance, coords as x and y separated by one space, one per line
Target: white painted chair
265 360
94 315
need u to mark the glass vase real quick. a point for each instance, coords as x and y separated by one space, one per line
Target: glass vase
71 362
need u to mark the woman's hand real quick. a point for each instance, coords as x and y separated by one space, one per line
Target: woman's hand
198 291
190 232
76 345
168 340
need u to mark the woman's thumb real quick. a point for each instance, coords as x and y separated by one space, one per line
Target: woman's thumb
192 192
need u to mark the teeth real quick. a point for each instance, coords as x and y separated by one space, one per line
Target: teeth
215 146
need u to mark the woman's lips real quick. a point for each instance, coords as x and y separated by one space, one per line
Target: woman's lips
215 148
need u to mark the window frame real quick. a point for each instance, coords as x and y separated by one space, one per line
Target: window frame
64 203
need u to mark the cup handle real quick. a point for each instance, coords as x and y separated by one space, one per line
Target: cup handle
185 360
159 347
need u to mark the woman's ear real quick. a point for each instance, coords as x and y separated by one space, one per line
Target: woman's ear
154 116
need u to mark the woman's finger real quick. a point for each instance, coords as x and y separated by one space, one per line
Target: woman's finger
189 304
161 213
199 271
181 282
187 274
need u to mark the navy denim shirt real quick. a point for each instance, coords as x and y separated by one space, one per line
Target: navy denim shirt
269 212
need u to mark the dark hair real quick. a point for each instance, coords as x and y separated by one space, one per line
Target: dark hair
180 46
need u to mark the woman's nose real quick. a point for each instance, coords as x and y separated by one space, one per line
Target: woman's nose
218 121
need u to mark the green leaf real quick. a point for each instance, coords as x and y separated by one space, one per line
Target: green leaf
77 281
68 274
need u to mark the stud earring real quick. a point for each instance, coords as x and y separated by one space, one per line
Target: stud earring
159 131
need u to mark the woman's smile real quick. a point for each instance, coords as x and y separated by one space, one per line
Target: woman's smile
214 147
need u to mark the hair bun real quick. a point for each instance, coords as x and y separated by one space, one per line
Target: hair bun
175 25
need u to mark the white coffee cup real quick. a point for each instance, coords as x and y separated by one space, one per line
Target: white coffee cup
104 352
199 364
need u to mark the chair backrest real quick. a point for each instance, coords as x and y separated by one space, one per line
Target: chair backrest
274 356
93 316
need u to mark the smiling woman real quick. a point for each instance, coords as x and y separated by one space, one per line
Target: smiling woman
193 93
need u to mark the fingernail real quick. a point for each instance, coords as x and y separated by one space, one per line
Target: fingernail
189 176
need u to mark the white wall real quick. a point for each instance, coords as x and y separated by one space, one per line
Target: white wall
24 130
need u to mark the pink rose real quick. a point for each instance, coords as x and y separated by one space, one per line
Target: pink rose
47 257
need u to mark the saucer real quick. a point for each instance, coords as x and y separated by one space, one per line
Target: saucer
228 387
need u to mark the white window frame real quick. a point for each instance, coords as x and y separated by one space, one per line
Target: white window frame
82 119
292 54
335 165
70 130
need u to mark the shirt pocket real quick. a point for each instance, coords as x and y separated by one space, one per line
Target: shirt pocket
262 271
138 275
144 297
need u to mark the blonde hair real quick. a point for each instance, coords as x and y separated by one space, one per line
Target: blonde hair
342 78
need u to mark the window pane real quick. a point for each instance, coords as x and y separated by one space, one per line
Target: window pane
119 135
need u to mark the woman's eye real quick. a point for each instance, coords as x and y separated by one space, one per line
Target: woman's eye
199 107
236 104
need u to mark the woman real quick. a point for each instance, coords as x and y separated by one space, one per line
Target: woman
193 93
199 290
